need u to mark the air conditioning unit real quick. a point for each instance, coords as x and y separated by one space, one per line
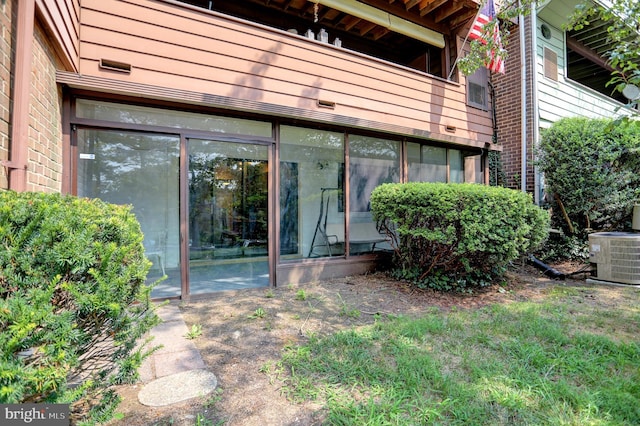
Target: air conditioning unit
615 257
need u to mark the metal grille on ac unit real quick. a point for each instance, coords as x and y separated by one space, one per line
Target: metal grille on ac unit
615 256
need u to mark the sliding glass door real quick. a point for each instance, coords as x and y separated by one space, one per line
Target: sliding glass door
227 215
139 169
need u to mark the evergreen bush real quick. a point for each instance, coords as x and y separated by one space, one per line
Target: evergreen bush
591 171
73 301
456 236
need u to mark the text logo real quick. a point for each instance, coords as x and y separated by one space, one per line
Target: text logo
34 414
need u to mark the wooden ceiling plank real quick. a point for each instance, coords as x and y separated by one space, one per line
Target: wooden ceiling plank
433 6
424 3
381 32
349 22
450 9
408 5
366 28
462 19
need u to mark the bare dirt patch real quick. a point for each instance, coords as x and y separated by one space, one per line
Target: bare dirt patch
245 331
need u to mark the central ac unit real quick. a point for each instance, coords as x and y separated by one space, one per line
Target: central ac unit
615 257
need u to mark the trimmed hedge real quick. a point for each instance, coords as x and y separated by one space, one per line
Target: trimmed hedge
456 236
73 301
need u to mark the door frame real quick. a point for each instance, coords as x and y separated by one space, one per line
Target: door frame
272 226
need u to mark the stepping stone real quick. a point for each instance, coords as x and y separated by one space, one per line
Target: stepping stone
177 387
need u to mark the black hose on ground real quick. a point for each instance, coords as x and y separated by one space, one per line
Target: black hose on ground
546 269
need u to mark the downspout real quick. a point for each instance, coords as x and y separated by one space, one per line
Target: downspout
534 98
19 145
523 106
494 138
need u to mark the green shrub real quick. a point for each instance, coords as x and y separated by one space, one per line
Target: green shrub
592 173
592 179
456 236
73 303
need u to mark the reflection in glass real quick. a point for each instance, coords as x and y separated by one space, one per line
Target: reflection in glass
228 221
436 164
311 208
372 162
426 163
133 114
140 170
456 166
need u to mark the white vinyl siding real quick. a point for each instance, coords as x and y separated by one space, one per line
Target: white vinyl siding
564 97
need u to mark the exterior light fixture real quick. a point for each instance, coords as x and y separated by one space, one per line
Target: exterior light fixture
631 92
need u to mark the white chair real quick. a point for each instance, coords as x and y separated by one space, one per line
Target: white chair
157 249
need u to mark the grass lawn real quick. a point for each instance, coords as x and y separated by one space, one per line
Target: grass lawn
555 361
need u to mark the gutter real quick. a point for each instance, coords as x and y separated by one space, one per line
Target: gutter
16 166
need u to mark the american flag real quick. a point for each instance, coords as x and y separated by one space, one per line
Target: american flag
495 61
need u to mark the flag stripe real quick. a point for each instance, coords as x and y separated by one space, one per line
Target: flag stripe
494 61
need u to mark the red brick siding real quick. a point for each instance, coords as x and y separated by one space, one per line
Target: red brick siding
45 134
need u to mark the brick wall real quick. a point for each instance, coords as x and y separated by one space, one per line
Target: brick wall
45 133
44 158
508 99
8 10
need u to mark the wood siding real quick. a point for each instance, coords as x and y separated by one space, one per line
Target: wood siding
62 21
564 97
183 48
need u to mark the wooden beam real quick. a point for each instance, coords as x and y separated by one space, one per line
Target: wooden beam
462 19
591 55
433 6
350 22
408 5
380 32
449 10
424 3
367 27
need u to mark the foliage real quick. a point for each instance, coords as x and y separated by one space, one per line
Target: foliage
558 361
73 301
563 247
456 236
592 173
194 332
622 20
497 176
258 313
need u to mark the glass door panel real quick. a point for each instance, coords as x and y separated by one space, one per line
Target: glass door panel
141 170
228 216
372 162
311 193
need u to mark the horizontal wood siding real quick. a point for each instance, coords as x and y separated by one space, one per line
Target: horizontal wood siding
184 48
62 19
566 98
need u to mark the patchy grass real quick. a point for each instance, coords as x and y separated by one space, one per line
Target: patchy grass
554 361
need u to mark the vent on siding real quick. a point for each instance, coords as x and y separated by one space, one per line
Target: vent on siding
115 65
550 64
